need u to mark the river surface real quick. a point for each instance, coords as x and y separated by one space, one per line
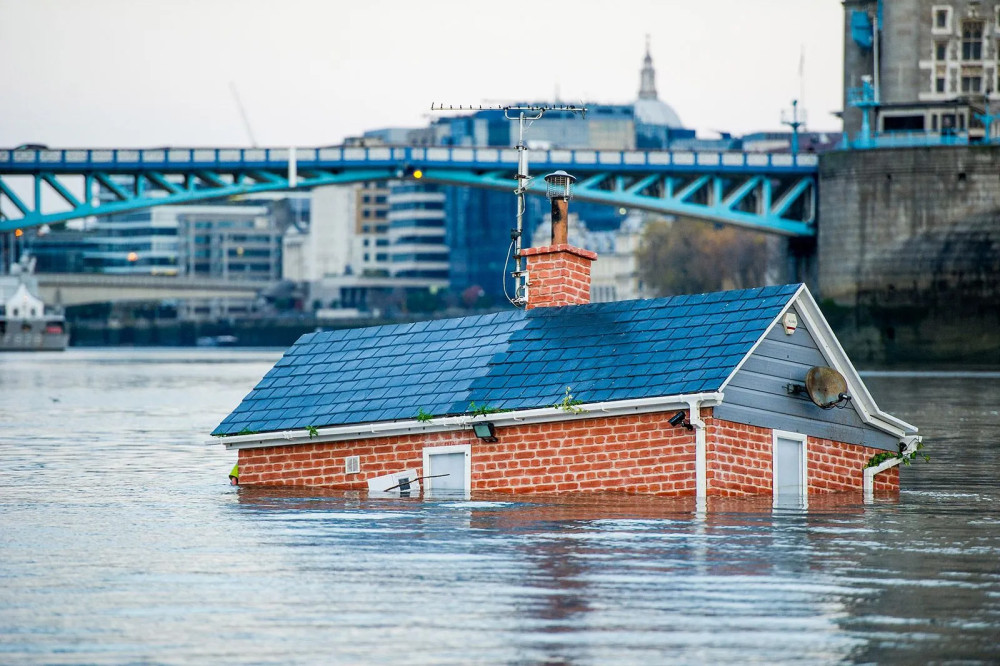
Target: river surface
122 542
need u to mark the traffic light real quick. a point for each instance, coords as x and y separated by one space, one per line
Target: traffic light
410 171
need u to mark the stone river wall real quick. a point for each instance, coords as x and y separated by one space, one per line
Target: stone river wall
909 254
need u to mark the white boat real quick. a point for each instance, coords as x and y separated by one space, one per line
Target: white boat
26 323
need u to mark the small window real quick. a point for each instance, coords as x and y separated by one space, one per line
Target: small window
941 51
972 40
941 19
447 469
972 84
939 84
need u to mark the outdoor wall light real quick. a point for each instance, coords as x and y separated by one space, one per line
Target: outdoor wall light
679 420
485 431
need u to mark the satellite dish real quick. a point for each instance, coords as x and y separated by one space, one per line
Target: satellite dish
826 387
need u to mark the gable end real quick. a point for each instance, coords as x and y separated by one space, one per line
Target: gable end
756 394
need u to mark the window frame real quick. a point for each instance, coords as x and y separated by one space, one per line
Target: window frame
972 44
970 89
948 13
429 451
804 472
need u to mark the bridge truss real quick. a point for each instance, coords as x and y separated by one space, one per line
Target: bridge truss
775 193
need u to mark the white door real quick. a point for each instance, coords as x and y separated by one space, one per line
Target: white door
447 470
789 460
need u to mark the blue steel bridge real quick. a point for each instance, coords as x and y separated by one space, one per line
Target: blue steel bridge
774 193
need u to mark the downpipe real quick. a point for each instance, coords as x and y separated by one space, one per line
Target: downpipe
700 452
910 447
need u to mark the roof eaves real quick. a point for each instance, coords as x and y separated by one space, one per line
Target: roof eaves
446 424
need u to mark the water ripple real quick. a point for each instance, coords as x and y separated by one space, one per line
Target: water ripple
120 542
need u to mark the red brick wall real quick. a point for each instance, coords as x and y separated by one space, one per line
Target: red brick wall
641 453
738 458
558 275
836 466
739 462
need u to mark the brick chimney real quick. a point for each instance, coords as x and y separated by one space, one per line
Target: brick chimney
558 275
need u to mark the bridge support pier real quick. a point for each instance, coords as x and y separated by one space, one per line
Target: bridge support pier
792 260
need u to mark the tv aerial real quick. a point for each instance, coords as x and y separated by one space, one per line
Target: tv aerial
826 387
523 113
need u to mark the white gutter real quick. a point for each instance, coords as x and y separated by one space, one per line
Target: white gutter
500 419
868 485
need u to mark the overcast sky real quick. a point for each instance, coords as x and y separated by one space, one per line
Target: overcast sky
132 73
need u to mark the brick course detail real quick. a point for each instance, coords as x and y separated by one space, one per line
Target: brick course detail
739 459
558 275
639 454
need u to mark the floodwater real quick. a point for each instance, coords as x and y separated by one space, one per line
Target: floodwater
122 542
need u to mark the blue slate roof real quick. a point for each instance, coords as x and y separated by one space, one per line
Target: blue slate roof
519 359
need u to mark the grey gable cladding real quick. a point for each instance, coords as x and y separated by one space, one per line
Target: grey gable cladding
756 395
510 360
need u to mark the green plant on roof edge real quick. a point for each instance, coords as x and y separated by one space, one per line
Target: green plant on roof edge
423 416
313 431
569 404
880 458
484 409
245 431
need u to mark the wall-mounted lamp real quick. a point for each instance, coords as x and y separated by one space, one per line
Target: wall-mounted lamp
679 420
485 431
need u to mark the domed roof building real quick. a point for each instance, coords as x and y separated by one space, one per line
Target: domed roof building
656 122
649 109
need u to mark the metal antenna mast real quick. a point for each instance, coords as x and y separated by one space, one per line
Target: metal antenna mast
794 121
522 114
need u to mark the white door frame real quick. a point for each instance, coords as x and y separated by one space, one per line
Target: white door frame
797 437
455 448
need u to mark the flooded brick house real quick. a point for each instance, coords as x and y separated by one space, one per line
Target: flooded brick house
689 395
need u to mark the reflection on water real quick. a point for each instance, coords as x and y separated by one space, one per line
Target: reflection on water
120 541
